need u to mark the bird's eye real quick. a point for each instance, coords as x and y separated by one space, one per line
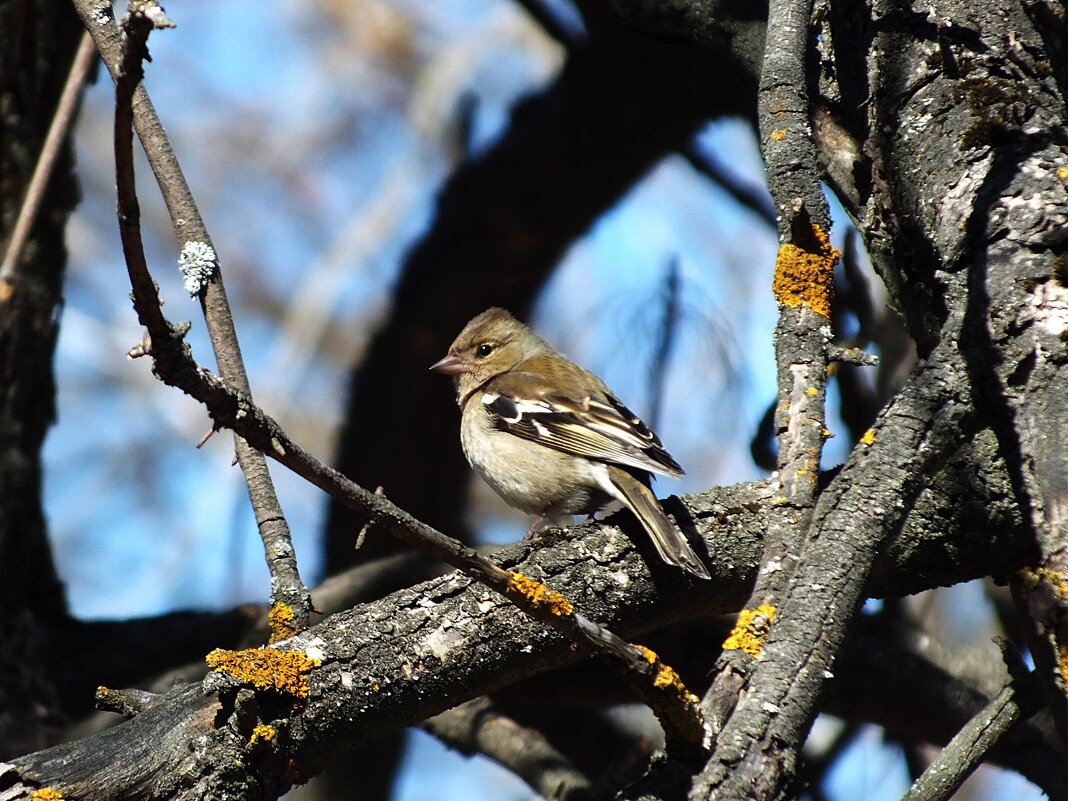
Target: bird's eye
484 350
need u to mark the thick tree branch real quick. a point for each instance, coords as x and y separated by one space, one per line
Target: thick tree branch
979 240
400 660
912 439
38 40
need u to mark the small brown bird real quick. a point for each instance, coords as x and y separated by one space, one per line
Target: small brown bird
550 437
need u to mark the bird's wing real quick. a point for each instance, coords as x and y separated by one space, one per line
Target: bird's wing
585 421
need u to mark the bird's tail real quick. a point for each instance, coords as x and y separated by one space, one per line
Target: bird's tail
669 541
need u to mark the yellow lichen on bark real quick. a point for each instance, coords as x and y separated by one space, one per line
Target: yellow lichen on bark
749 632
46 794
868 437
283 672
280 620
262 734
666 678
805 276
537 595
1062 664
1058 581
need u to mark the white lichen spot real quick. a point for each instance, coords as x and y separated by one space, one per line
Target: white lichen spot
314 649
444 641
773 566
346 680
198 263
1047 306
770 708
485 606
101 13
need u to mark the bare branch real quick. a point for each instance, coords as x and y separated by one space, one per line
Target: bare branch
57 135
204 279
1016 702
400 660
478 728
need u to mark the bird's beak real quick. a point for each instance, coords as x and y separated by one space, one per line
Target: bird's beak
450 365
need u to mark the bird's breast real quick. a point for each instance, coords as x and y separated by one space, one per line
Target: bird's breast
528 476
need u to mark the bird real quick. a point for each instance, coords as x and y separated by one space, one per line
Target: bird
551 438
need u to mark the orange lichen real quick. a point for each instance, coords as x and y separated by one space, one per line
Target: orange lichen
1062 665
283 672
805 275
280 620
868 437
1031 577
46 794
749 632
537 595
666 678
262 734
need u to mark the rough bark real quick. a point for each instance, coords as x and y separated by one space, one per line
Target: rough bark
414 654
37 44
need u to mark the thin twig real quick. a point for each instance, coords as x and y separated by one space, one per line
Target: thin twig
42 173
204 279
750 197
667 336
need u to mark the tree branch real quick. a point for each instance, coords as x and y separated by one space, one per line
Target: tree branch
42 174
400 660
1016 702
204 279
478 728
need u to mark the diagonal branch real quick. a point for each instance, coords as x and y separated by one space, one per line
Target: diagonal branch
477 727
656 682
1017 701
42 173
399 660
204 279
871 493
